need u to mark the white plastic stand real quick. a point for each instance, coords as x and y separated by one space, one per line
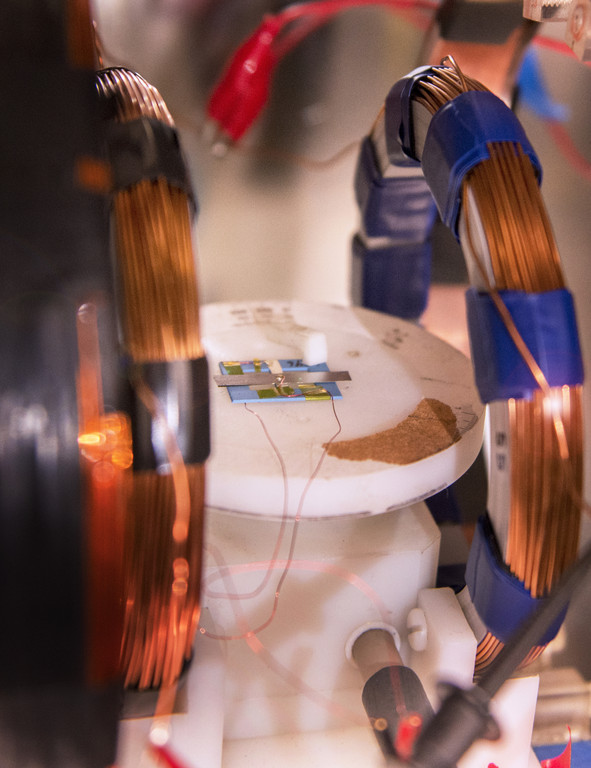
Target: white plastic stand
299 558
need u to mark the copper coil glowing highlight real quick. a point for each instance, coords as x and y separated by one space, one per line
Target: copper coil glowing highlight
163 579
104 443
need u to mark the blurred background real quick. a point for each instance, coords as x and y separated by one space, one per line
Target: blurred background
277 213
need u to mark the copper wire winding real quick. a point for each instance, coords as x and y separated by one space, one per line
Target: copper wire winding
160 322
546 432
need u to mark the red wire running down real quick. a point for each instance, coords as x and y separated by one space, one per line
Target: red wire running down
243 90
312 15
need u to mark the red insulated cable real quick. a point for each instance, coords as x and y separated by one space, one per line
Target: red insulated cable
243 89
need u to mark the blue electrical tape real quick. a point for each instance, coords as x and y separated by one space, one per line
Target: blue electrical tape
457 140
500 598
546 322
400 208
394 279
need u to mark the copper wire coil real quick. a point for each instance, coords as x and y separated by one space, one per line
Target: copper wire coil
133 96
445 83
490 647
104 442
545 486
160 322
545 513
162 613
153 242
521 243
157 273
544 520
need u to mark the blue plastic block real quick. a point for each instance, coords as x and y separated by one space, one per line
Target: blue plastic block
394 279
399 208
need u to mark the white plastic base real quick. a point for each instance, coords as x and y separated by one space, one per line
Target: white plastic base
345 748
197 737
284 598
366 569
393 365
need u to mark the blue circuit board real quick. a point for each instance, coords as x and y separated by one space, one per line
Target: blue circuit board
278 394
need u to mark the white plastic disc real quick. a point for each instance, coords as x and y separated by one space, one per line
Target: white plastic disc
393 364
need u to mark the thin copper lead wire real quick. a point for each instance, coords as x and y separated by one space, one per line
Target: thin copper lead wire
293 538
546 432
160 323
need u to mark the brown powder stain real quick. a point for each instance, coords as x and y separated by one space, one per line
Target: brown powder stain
430 428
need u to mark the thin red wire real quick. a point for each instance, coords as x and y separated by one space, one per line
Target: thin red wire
302 565
271 565
278 543
328 8
260 650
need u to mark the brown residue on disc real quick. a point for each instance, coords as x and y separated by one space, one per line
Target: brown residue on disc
430 428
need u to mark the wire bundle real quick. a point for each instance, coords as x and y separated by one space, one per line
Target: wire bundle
160 328
509 246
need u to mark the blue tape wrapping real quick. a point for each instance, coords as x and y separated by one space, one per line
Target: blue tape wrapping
398 208
546 322
457 141
394 279
501 599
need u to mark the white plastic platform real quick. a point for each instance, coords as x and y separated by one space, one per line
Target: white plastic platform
393 365
363 551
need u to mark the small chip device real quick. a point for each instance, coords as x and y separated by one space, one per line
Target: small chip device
279 381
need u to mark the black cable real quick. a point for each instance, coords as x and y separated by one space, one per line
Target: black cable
464 714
